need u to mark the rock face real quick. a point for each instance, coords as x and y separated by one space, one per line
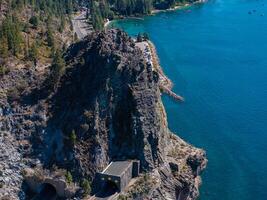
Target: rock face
108 107
20 119
112 103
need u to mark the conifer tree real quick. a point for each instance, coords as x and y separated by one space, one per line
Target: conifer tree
1 1
34 21
3 47
33 54
50 37
57 68
97 19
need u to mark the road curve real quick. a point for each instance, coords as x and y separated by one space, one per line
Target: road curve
80 25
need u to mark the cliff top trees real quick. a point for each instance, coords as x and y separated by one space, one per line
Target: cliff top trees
15 34
10 36
97 19
130 7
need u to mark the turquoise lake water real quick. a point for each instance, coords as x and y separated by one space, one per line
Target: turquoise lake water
216 55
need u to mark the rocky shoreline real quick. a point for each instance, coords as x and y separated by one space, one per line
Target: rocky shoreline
150 54
108 22
178 7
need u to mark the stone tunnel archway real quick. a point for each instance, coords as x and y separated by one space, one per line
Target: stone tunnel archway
38 180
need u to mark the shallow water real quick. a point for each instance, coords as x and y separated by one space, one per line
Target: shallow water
216 55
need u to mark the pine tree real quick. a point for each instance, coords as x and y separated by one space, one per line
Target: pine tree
62 24
97 19
33 54
17 38
68 177
34 21
10 31
3 47
57 68
50 37
73 137
139 37
1 1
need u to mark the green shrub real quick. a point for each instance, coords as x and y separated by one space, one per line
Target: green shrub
122 197
68 177
86 186
73 137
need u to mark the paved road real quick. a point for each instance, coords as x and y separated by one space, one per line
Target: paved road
80 25
111 197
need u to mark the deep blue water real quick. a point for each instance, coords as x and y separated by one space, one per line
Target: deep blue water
216 55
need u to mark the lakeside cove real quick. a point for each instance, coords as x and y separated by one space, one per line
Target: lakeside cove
215 56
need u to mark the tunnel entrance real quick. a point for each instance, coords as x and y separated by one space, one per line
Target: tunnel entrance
115 177
47 192
109 188
111 185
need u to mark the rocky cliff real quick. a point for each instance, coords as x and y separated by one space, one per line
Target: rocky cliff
107 106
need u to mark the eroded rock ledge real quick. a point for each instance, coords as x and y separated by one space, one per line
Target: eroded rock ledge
109 99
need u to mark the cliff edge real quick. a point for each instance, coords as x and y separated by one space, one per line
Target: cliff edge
107 106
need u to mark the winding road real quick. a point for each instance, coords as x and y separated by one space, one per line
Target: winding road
81 26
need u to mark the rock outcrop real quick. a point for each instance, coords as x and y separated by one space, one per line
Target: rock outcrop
107 106
20 119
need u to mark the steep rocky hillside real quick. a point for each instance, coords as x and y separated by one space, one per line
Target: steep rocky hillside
107 106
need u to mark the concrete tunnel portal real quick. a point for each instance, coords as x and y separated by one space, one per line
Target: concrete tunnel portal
116 177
